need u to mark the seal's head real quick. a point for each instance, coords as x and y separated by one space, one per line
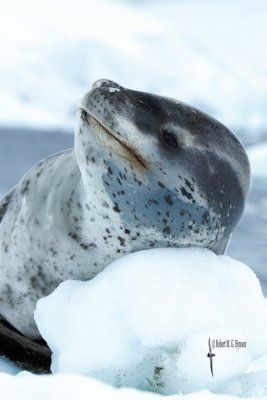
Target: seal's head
170 170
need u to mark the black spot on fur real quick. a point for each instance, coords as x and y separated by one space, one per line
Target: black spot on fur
87 246
116 208
53 251
168 200
84 246
186 193
153 201
161 184
25 187
39 173
122 241
189 185
74 236
4 204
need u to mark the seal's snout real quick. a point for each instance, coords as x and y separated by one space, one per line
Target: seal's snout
105 83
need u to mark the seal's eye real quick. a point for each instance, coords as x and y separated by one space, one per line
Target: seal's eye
169 140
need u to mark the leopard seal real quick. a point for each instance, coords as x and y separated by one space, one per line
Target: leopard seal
146 171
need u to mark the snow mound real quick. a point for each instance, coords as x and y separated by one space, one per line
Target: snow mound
145 322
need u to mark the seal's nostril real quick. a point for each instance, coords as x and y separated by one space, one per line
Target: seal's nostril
105 83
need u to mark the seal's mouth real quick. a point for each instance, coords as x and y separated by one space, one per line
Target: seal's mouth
119 146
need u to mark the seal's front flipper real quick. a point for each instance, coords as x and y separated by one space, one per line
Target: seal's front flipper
28 354
220 247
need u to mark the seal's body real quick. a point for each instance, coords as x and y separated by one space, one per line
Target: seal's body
146 171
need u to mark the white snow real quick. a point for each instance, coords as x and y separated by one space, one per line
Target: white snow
145 322
63 387
112 90
209 53
69 387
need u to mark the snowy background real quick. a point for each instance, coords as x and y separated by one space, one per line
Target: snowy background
210 53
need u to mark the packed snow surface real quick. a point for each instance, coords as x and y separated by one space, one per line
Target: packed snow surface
70 387
145 322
